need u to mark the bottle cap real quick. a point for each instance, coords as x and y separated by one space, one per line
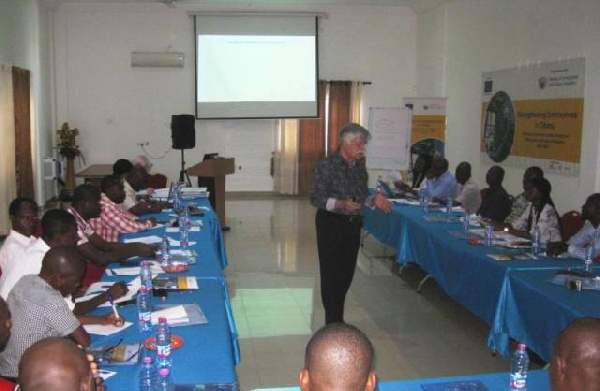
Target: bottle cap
521 346
162 319
147 360
164 372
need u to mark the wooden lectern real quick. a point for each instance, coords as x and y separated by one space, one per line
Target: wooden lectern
211 174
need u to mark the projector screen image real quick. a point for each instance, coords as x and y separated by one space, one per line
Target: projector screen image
257 69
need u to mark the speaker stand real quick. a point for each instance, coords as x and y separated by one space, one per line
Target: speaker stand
183 176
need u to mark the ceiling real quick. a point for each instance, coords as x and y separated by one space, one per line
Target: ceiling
419 6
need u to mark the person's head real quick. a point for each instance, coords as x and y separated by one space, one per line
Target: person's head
122 167
338 357
352 141
575 361
23 215
439 166
55 364
591 209
86 201
531 173
537 190
495 176
136 177
59 228
63 268
463 172
112 187
142 161
5 324
423 163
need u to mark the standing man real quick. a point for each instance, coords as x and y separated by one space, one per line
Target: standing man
339 192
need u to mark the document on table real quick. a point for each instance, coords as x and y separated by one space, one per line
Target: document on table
176 229
405 201
176 243
133 271
99 287
188 314
152 239
174 315
102 329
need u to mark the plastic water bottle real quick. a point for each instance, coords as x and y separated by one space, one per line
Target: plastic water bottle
165 381
519 366
163 343
589 258
466 224
535 241
449 205
147 375
146 274
489 235
184 229
422 199
165 249
144 307
176 197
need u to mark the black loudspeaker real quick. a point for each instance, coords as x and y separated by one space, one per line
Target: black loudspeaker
183 131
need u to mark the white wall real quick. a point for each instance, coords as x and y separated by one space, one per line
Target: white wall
24 42
459 41
116 106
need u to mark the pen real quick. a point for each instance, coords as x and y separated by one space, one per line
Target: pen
112 303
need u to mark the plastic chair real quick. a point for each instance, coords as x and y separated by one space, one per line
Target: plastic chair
571 222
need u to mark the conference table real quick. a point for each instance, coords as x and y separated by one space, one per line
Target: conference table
465 271
210 351
536 381
533 310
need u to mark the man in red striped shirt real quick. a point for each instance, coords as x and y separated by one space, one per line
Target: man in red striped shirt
114 220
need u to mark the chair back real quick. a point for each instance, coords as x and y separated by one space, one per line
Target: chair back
571 222
156 181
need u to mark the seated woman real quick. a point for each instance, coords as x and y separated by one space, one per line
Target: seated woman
540 211
495 201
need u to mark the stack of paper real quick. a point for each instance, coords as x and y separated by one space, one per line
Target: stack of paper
174 315
103 329
152 239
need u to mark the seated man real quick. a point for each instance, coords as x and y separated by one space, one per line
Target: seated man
133 181
443 185
23 217
338 357
467 192
590 212
99 252
55 364
113 220
495 201
59 229
39 310
575 361
520 202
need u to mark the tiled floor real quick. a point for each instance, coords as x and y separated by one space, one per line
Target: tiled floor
274 286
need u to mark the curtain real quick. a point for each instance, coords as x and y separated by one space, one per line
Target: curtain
355 99
22 112
286 157
338 110
311 143
7 148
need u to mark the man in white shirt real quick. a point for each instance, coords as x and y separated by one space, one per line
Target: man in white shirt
590 211
468 194
23 216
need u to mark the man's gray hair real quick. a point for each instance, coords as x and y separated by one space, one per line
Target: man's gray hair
351 131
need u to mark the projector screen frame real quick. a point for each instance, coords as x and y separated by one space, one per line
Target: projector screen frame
318 113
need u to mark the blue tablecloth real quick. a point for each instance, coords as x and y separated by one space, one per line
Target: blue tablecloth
537 381
210 351
464 271
534 311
